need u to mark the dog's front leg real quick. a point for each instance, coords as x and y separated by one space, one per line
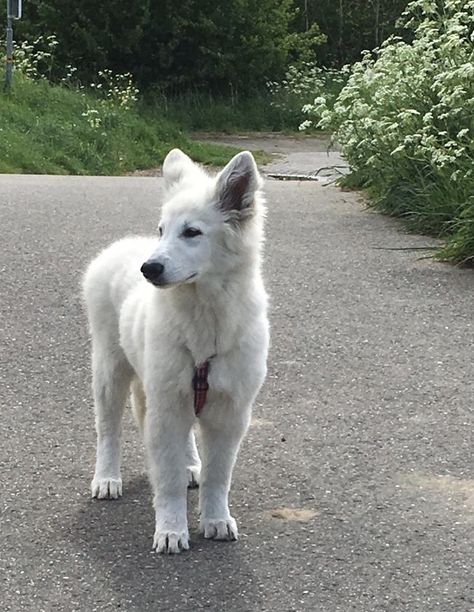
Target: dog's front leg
167 425
222 428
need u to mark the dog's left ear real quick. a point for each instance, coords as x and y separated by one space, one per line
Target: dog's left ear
237 184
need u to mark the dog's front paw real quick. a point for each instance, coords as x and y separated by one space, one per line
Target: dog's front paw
220 529
169 542
106 488
194 475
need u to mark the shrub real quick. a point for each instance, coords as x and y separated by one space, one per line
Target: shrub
205 44
405 122
302 82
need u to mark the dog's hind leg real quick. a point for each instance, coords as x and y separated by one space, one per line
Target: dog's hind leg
111 377
138 401
193 462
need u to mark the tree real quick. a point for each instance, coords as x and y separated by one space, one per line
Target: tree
92 35
350 26
208 44
214 44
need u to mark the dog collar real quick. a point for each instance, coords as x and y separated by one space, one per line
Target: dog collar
200 386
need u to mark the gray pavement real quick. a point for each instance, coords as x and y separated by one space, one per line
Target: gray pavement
354 489
300 155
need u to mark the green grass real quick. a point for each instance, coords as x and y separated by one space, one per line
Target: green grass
196 111
43 130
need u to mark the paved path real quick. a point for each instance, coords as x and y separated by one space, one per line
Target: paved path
363 431
299 155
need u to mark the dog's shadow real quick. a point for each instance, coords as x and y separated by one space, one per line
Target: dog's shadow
116 536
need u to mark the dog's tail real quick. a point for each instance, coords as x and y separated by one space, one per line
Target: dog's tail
138 402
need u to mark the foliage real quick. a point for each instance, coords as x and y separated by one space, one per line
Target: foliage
210 44
58 129
350 26
226 48
207 45
91 35
405 121
199 111
302 46
301 83
35 59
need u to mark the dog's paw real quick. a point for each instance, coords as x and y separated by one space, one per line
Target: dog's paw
170 542
220 529
106 488
194 475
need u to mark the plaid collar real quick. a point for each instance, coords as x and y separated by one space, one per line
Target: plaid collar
200 386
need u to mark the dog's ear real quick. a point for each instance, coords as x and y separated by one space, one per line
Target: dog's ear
237 184
175 166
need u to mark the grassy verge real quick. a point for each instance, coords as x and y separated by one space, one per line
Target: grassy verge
200 112
278 108
47 128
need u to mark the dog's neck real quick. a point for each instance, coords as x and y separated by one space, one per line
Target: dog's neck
214 312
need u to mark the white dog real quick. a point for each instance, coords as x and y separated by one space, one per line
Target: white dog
181 322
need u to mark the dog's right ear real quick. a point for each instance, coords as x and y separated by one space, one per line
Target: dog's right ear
237 185
175 166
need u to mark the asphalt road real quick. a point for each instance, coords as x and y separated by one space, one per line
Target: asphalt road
354 489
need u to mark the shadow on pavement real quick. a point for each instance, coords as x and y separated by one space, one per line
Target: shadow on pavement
117 537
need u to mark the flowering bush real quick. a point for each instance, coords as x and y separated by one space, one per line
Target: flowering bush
405 122
114 92
300 83
35 59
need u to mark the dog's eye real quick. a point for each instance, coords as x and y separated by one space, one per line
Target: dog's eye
160 231
191 232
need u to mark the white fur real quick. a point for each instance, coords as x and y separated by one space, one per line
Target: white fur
209 302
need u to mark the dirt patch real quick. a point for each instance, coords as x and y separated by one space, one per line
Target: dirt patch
449 489
300 515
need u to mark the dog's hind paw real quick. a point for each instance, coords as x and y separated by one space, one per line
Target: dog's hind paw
194 475
218 529
106 488
170 542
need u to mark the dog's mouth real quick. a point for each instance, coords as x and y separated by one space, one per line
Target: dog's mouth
164 284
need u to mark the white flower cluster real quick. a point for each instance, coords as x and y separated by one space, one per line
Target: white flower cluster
114 92
34 59
411 102
117 89
405 120
299 84
92 117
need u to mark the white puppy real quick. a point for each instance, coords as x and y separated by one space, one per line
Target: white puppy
159 309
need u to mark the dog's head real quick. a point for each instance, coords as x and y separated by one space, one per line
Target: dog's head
209 225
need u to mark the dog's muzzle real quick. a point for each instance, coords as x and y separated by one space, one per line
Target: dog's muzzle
152 271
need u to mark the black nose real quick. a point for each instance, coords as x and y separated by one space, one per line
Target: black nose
152 270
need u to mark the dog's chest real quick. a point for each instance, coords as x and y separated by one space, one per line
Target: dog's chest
207 336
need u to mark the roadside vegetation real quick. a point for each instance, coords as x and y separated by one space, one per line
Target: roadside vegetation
66 128
403 112
405 121
212 65
53 129
276 108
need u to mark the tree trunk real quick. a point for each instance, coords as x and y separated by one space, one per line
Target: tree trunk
341 30
377 22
